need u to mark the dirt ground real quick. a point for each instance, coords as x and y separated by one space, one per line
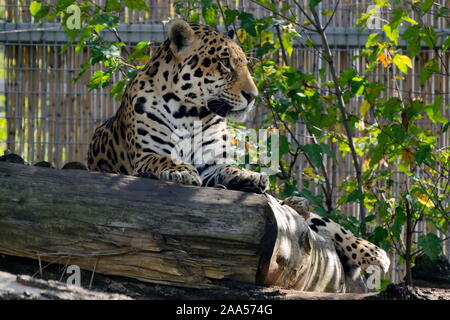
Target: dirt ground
421 291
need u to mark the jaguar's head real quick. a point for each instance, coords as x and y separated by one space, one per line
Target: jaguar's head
211 70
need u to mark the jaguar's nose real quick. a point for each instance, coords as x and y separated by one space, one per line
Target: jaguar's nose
248 96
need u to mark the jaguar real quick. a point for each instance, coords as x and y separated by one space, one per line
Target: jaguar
197 79
172 125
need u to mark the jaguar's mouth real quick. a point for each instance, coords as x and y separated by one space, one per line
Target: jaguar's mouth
238 116
219 107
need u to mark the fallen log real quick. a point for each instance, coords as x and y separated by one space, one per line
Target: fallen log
161 232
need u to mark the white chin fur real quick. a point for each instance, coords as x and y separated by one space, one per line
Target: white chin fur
241 115
238 116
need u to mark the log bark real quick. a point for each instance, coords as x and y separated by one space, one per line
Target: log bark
161 232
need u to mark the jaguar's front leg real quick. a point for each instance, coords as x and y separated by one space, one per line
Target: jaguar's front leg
164 167
235 178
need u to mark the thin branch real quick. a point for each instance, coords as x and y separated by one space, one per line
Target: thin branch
325 191
93 273
219 4
283 51
283 16
328 56
332 16
409 233
314 22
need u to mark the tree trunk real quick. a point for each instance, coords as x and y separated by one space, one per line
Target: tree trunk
161 232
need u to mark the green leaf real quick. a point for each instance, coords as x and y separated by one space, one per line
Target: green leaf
35 7
379 235
325 148
284 145
412 38
398 133
429 68
442 12
38 11
355 196
429 35
286 39
402 62
362 22
446 43
322 73
431 245
404 167
426 5
230 16
136 4
314 3
210 15
421 154
391 108
106 19
346 76
63 4
446 126
400 219
288 190
314 154
139 50
382 3
309 43
42 13
117 90
268 4
372 40
248 23
100 53
113 5
195 17
267 47
434 111
99 79
397 17
410 20
391 33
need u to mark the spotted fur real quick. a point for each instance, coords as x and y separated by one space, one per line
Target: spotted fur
196 80
351 249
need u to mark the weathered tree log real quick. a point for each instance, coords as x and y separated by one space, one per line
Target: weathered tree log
161 232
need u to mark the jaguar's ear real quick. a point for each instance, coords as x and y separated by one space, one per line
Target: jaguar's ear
181 35
231 34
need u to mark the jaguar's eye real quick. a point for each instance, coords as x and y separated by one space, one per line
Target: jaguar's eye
226 63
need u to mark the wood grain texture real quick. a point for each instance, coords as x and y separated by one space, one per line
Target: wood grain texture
145 229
